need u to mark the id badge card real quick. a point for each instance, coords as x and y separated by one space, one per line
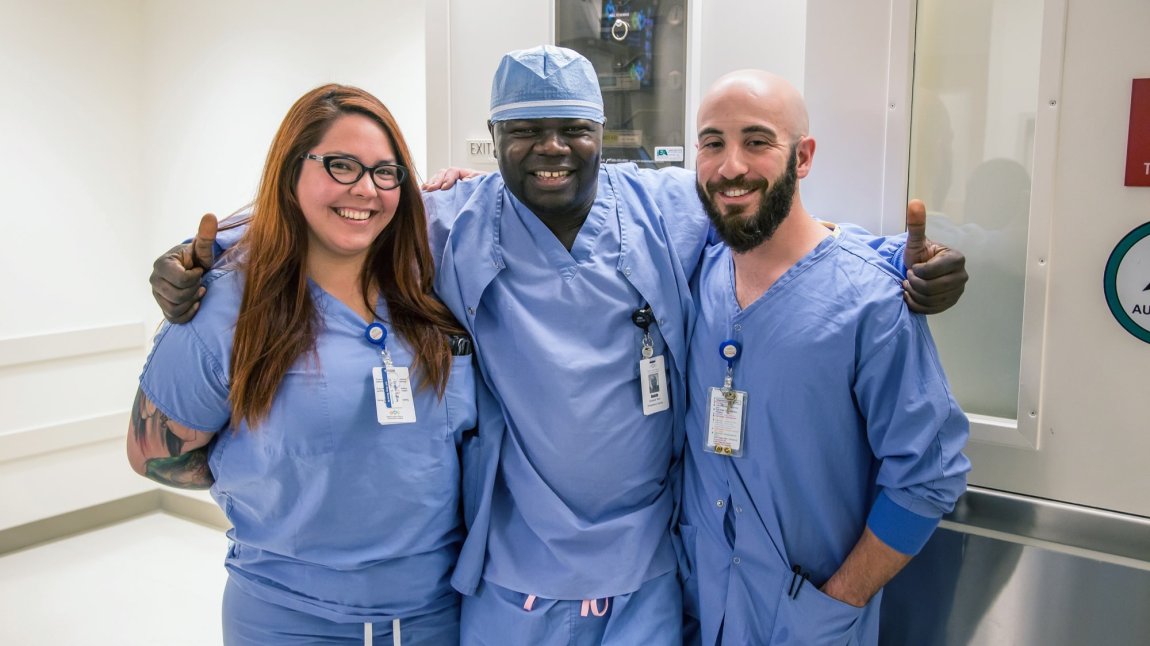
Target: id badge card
653 383
393 401
726 421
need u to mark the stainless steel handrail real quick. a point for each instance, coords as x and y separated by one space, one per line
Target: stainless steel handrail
1086 531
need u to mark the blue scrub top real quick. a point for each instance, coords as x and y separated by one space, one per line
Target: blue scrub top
850 423
333 514
586 487
582 466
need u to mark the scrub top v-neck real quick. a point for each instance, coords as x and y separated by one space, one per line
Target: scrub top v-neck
570 384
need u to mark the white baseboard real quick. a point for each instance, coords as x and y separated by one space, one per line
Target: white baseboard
115 511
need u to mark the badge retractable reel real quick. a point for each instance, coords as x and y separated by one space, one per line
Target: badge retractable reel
652 370
727 410
393 398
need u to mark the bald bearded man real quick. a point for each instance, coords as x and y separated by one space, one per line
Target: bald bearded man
824 444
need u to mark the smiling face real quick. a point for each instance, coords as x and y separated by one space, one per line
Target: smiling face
742 227
551 165
344 219
752 152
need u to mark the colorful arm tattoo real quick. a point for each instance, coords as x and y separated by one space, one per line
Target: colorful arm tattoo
173 455
187 471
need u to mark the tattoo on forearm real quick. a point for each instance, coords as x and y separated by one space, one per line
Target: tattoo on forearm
187 471
178 468
151 427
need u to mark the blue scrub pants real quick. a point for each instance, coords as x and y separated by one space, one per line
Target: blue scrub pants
649 616
249 621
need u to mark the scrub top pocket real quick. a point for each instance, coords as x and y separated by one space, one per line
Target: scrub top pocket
241 456
460 397
310 431
812 618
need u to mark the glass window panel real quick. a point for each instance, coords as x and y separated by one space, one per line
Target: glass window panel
975 95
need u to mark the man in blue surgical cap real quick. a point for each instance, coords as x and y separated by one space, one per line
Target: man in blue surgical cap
572 278
568 274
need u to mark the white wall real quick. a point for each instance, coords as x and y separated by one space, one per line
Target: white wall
768 34
73 256
221 75
70 165
466 39
847 48
124 120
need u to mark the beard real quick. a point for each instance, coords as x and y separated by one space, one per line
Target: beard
745 233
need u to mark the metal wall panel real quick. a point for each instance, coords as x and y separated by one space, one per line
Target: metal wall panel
1009 570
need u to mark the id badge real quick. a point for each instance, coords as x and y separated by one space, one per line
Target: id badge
393 401
726 421
653 383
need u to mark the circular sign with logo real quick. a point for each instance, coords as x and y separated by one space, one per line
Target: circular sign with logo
1127 282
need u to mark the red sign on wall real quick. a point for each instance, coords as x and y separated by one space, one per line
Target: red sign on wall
1138 146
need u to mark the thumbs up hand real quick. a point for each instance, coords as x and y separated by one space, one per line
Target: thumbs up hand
176 274
935 274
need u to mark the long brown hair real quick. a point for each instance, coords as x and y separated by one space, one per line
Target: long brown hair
278 321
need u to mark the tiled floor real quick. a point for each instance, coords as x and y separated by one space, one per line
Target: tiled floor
154 580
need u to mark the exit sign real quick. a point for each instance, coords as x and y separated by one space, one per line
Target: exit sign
480 151
1138 146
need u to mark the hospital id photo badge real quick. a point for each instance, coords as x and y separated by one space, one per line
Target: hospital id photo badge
393 401
653 383
726 420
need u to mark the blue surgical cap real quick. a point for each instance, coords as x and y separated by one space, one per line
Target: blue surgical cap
546 83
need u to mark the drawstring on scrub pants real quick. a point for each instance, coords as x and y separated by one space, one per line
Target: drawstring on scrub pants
395 640
591 605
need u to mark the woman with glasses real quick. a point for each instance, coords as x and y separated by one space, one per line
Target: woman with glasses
322 393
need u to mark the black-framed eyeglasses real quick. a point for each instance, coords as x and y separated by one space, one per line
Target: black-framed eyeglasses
348 170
